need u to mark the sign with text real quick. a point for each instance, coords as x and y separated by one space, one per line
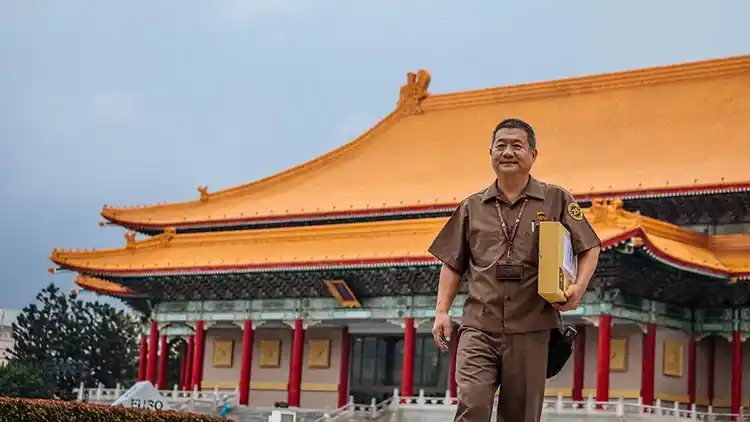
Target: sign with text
142 395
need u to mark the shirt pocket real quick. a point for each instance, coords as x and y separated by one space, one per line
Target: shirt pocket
484 246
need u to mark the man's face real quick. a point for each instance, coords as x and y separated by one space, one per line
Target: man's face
511 153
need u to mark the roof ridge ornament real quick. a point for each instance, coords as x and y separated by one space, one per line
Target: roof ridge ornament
412 94
166 237
611 211
129 240
203 191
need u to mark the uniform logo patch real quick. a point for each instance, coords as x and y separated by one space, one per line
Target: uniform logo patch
540 216
574 210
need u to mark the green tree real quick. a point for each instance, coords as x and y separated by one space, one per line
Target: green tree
76 341
24 380
114 347
174 362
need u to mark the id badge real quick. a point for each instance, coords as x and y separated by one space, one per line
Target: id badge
509 271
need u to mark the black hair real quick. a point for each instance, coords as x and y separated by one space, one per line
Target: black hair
516 124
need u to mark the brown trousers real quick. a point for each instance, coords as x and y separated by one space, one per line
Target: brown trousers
516 362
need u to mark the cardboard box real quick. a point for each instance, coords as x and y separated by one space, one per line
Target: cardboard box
557 262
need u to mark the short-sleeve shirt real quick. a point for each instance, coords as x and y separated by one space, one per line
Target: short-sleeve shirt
473 242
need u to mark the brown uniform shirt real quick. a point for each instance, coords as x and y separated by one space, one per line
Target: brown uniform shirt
473 241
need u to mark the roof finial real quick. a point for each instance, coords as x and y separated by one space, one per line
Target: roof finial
610 210
167 236
129 239
203 190
412 94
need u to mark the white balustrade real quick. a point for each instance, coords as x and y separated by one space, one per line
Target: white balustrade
421 406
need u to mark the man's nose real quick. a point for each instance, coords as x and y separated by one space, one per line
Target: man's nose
507 152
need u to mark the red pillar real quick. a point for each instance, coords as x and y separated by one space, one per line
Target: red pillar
344 367
197 377
452 384
247 361
692 365
153 345
710 380
183 364
295 365
143 358
649 364
187 385
407 376
579 363
736 372
163 356
603 357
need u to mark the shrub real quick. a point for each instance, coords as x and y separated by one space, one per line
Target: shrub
29 410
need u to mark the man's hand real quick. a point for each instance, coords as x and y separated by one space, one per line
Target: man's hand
574 294
441 330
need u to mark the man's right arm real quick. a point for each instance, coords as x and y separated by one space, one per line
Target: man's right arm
450 283
451 246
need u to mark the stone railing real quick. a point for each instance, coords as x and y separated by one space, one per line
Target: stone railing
418 408
438 409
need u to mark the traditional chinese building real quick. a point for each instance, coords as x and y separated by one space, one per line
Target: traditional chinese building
314 283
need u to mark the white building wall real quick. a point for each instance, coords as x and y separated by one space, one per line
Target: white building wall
7 317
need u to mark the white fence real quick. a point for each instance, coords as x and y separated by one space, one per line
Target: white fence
422 408
430 409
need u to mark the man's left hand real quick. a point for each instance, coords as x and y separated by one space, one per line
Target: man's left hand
574 293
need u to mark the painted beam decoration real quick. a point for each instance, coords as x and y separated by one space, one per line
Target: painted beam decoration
343 293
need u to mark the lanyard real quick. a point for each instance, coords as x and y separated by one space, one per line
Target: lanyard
510 233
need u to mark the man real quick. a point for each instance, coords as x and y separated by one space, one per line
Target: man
494 237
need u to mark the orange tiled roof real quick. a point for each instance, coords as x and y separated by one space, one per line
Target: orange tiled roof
388 243
101 286
619 134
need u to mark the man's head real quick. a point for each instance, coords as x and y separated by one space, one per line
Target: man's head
513 148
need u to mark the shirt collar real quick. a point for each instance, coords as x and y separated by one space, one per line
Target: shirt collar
533 189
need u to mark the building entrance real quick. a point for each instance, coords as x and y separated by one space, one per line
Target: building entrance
377 364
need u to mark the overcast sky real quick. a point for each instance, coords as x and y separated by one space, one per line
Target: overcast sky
131 102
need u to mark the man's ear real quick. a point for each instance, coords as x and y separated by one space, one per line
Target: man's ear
534 154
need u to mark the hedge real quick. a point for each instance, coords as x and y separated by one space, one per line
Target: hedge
32 410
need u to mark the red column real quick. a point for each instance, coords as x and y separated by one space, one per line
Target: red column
649 364
602 358
344 367
163 356
710 380
183 364
197 377
295 365
247 361
407 376
579 363
736 372
692 365
452 384
153 344
143 358
187 385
